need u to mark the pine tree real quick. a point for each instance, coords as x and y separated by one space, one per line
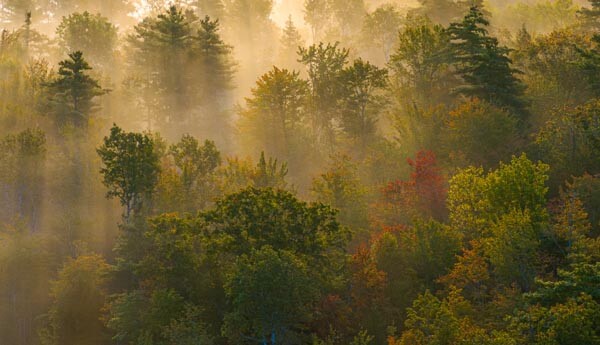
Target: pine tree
484 65
212 58
72 93
291 41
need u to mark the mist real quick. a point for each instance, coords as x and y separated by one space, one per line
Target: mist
299 172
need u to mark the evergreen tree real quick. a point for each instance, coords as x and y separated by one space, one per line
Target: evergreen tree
290 41
484 65
72 93
212 61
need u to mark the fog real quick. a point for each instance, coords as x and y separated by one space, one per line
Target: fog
119 117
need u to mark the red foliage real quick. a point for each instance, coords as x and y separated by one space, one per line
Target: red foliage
425 192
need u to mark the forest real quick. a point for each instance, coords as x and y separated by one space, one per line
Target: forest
321 172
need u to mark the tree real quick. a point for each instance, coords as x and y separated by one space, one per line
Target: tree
484 65
130 168
316 14
157 44
589 16
212 8
380 29
420 63
477 200
553 70
424 193
239 174
253 218
73 91
512 249
78 296
216 68
290 42
23 159
324 64
481 133
92 34
349 15
431 320
341 188
273 116
184 69
569 142
361 103
188 182
444 12
572 322
589 64
271 293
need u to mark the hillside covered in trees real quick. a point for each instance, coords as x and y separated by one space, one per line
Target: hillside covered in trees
322 172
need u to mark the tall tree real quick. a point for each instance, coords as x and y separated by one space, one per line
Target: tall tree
420 63
130 168
316 15
362 101
274 114
290 42
380 29
324 64
484 65
92 34
72 93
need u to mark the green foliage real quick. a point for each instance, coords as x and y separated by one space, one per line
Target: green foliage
481 133
189 181
483 64
78 297
130 168
324 64
570 323
380 29
92 34
569 142
341 188
253 218
476 200
271 294
239 174
512 249
362 102
71 94
272 118
421 63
